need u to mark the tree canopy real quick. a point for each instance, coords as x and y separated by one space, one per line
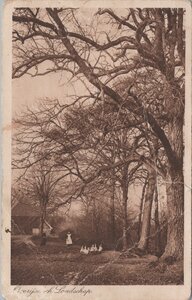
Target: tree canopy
131 63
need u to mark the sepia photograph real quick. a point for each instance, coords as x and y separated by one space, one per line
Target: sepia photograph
98 146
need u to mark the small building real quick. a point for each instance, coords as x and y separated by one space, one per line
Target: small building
25 219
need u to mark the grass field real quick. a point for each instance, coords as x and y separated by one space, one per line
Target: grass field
56 264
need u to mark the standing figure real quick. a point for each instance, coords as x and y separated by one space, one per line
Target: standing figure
69 239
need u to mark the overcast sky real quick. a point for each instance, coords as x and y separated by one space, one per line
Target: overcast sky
28 90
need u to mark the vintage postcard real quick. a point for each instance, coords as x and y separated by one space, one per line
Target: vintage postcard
96 150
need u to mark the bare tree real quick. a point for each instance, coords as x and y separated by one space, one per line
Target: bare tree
41 186
156 35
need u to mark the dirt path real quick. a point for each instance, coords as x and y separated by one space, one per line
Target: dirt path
62 266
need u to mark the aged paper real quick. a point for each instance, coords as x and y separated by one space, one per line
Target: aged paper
96 98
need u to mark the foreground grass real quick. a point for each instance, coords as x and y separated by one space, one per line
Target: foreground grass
57 264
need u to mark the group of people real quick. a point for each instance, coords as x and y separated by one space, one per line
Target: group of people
92 249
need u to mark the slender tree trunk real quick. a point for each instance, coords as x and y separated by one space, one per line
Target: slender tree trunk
141 207
125 199
113 231
145 230
125 225
94 218
41 224
42 219
157 224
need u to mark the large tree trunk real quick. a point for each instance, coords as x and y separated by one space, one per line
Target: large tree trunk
175 205
145 230
175 179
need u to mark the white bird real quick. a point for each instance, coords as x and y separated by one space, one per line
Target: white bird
82 249
100 248
95 247
92 248
86 250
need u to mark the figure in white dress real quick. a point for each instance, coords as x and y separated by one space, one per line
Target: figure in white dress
69 239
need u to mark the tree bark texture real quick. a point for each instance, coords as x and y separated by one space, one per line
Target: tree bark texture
146 221
141 208
175 179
